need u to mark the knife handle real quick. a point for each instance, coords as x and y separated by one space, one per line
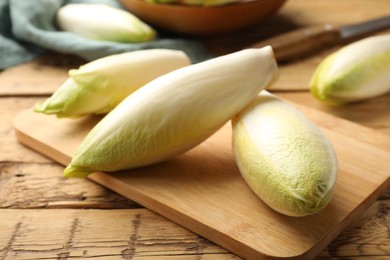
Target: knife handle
302 42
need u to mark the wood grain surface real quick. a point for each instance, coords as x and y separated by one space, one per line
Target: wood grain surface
44 216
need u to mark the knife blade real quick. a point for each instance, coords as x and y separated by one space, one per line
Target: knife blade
305 41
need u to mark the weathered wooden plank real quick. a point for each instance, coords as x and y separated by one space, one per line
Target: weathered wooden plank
369 236
124 234
42 185
11 150
141 234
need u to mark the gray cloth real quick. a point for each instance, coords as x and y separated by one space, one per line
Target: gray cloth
27 30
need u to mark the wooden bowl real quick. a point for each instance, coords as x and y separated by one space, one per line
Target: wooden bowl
203 21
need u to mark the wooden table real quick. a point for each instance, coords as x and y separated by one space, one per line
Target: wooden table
44 216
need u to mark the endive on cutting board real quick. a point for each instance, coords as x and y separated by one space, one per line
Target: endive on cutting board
203 190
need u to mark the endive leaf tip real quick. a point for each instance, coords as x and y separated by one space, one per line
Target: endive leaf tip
71 72
39 107
272 57
76 172
45 107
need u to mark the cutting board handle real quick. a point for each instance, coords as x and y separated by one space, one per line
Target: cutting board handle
302 42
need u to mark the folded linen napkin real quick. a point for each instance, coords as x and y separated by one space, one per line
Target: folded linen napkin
27 30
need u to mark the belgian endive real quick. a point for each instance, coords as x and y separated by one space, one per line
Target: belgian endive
103 22
358 71
284 158
174 112
99 86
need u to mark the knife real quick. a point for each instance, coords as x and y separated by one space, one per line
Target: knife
302 42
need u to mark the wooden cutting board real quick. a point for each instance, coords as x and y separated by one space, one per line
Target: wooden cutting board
203 191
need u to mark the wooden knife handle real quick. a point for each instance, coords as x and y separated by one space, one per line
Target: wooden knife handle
301 42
